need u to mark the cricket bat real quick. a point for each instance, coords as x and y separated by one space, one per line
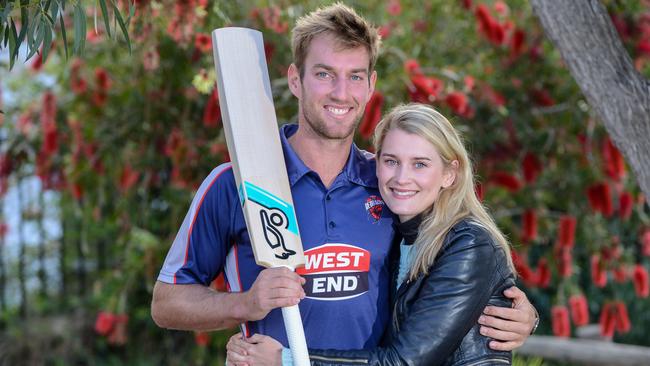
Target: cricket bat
253 140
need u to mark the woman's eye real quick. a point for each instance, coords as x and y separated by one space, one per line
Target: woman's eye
420 165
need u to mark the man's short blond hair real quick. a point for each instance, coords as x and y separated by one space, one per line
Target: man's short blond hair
348 28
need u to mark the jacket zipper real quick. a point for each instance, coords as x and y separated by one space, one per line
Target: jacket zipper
339 359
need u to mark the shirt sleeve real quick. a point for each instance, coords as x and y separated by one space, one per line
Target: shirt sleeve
199 250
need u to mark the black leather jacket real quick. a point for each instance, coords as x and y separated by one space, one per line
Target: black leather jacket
434 320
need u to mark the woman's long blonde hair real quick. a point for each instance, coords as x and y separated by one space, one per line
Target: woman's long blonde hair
455 202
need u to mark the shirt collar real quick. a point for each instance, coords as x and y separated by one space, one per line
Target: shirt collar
359 169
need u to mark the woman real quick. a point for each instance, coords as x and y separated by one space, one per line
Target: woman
453 259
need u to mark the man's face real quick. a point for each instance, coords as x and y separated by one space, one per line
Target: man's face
334 89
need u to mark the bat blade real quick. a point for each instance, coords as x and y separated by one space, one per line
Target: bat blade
253 140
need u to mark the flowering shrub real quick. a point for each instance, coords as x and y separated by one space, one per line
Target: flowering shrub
120 142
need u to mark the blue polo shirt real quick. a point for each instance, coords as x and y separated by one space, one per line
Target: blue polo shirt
346 231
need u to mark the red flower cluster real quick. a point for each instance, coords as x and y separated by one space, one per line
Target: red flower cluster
614 317
103 83
271 19
625 205
645 242
128 178
531 167
560 321
112 326
203 42
77 83
613 162
48 124
422 89
506 180
598 272
202 339
212 112
600 199
372 115
579 310
566 231
529 226
640 279
459 103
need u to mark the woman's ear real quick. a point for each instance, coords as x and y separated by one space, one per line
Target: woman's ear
450 174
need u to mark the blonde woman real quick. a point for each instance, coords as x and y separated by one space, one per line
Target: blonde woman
453 259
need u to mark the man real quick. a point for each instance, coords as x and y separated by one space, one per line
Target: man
345 227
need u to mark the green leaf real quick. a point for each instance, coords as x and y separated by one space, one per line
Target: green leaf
24 21
5 13
120 21
54 11
79 19
32 35
64 36
13 50
47 40
38 40
102 4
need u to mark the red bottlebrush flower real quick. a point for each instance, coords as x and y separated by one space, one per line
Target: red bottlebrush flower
613 161
425 89
643 47
560 321
620 273
640 279
202 42
532 167
600 199
412 67
469 83
385 31
542 98
501 8
625 205
543 273
372 115
102 79
48 124
394 7
467 4
4 228
458 103
77 191
607 320
118 335
128 178
212 112
622 319
579 310
37 64
566 231
529 226
517 43
99 98
492 30
523 269
202 338
598 273
6 165
621 26
506 180
645 242
105 323
491 96
564 261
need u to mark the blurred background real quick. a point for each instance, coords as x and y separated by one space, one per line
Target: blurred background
102 150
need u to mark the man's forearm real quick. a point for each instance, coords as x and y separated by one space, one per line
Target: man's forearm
196 307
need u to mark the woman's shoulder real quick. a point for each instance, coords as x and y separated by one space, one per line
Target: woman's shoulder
469 233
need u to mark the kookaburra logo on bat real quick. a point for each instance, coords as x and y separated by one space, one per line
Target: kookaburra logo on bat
274 221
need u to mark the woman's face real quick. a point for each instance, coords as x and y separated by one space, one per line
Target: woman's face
410 173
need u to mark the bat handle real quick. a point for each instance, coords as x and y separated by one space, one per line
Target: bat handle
296 335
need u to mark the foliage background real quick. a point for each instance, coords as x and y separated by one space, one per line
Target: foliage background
101 154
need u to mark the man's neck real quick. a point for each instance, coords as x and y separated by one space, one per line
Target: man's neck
326 157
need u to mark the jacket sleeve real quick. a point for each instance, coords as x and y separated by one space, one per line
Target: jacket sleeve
448 304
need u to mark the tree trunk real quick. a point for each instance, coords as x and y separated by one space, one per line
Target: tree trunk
584 34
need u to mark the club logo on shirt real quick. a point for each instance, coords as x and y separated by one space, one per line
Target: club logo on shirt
335 272
374 205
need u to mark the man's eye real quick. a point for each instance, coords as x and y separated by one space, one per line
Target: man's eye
322 74
356 78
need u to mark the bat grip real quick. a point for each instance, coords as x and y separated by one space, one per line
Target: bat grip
296 335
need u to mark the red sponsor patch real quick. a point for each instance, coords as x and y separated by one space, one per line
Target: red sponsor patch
374 205
335 272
